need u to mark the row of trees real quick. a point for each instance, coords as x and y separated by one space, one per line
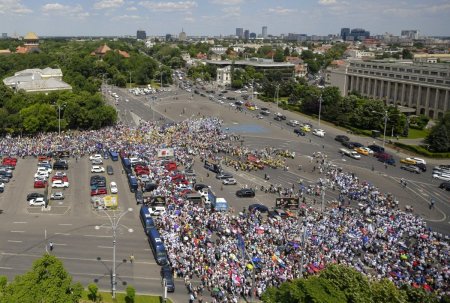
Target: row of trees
341 284
439 136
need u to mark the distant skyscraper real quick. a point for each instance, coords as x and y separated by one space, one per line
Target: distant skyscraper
182 36
264 32
410 33
240 32
345 31
141 35
359 34
252 35
4 35
168 37
246 34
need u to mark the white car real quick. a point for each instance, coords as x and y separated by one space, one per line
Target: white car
97 161
144 178
417 160
60 184
368 150
113 187
2 185
96 156
40 201
97 169
41 174
44 169
319 132
293 123
229 181
182 186
57 196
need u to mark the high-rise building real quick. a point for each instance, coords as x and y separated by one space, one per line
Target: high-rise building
168 37
345 31
410 33
246 34
264 32
182 36
4 35
359 34
240 32
252 35
141 35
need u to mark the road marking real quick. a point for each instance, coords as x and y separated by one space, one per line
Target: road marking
98 236
65 224
100 246
62 234
5 267
20 222
17 231
60 244
15 241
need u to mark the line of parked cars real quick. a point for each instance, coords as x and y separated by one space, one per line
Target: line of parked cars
6 168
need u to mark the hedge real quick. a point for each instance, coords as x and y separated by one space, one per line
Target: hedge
422 151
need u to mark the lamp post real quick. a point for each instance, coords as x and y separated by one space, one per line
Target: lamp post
320 107
277 92
114 221
59 106
129 72
385 124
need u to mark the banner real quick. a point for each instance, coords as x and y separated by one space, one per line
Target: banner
165 152
287 203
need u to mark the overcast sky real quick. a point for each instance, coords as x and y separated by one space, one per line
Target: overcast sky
221 17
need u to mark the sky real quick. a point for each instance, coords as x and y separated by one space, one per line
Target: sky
221 17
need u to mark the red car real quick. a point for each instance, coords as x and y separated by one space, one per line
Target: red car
62 178
9 161
40 184
99 191
44 158
180 181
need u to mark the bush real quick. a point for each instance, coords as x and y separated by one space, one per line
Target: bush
93 292
131 294
422 151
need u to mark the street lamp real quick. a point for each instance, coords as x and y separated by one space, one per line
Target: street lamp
320 107
114 220
130 77
277 92
385 124
59 106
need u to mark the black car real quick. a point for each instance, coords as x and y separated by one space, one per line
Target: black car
299 132
376 148
422 167
199 186
348 144
6 174
97 180
139 197
341 138
166 275
357 144
445 185
245 193
148 186
4 179
34 196
109 170
60 165
239 103
258 207
277 118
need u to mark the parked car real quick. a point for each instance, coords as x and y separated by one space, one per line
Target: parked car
109 170
113 188
299 132
31 196
293 123
245 193
410 168
57 196
40 184
229 181
60 165
222 176
99 191
96 156
166 275
39 201
4 179
341 138
97 161
445 185
200 186
97 169
60 184
319 132
258 207
139 197
376 148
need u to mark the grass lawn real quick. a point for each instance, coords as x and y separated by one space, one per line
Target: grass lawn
120 298
417 133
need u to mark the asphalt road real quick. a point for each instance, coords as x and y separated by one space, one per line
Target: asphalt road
257 133
87 251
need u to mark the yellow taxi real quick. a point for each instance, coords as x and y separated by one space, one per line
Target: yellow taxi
362 151
306 128
408 161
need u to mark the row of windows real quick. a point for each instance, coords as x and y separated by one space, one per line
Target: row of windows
400 76
403 69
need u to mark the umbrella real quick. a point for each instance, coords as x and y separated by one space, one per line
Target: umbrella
249 266
404 257
424 236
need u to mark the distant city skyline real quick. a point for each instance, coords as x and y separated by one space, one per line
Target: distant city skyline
221 17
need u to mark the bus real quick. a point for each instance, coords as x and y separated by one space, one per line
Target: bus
114 155
157 246
132 182
146 219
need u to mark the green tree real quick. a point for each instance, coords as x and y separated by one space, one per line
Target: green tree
384 291
131 294
439 136
407 54
93 292
47 281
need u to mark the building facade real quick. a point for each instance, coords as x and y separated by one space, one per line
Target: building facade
224 75
422 87
264 32
141 35
239 32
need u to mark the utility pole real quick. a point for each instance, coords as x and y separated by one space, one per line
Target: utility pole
320 107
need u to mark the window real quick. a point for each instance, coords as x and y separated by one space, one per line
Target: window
401 69
443 74
398 76
422 79
425 72
406 77
409 70
394 69
430 80
439 81
434 73
413 78
391 75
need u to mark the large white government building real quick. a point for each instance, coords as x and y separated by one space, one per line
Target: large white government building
422 87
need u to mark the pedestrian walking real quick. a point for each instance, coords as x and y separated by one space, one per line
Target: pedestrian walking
432 203
131 258
50 245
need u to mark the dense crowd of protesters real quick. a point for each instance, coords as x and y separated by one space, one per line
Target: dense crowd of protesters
233 253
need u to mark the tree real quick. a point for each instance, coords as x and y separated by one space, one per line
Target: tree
131 294
47 281
384 291
93 292
407 54
439 137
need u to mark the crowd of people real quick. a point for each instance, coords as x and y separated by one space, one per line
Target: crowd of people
237 254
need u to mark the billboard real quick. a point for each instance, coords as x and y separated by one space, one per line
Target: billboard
165 152
287 203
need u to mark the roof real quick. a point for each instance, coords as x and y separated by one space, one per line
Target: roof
43 85
124 54
101 50
35 79
31 36
21 50
262 63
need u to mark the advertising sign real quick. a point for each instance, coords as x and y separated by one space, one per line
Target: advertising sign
287 203
165 152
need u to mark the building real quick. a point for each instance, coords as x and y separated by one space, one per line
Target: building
239 32
101 51
360 54
141 35
4 35
264 32
168 37
224 75
246 34
37 80
266 66
356 34
252 35
31 44
219 49
345 32
410 34
424 88
182 36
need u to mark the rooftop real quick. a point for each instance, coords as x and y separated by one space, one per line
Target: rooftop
31 36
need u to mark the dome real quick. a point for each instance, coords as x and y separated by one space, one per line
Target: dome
31 36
